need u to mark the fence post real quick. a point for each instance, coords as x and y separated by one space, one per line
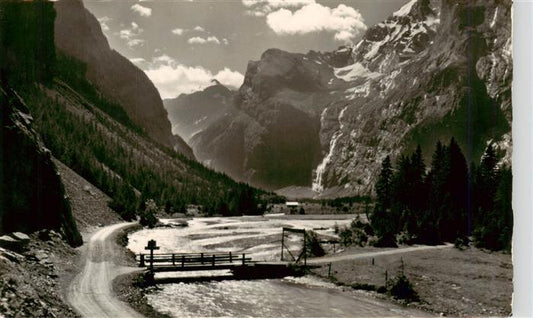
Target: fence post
202 258
282 241
142 260
213 261
230 260
329 270
243 259
173 259
305 248
182 260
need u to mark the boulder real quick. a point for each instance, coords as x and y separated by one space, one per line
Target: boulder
20 237
11 243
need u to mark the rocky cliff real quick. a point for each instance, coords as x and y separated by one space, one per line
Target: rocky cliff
192 113
432 70
32 195
78 34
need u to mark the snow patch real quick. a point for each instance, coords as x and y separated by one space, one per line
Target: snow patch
374 49
359 91
493 22
200 120
352 72
405 9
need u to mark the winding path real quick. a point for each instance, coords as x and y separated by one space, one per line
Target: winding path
344 257
90 293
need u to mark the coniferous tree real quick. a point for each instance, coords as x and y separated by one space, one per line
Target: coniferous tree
381 219
435 183
454 222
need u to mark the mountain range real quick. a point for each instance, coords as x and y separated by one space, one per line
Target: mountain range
321 123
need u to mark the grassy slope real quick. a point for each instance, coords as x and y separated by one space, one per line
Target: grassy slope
457 283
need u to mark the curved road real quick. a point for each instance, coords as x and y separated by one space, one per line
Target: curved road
90 293
344 257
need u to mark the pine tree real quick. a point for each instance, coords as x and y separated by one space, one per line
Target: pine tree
455 219
382 220
435 183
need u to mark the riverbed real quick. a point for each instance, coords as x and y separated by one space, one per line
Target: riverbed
260 238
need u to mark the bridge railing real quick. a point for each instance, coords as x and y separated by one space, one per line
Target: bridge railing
191 259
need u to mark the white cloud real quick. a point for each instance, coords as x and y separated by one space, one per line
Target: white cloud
131 35
172 78
137 60
200 40
199 29
345 22
142 11
178 31
261 8
164 59
103 23
135 42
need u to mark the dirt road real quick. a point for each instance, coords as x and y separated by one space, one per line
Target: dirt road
344 257
90 292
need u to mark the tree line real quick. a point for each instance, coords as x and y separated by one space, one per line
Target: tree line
121 170
445 202
114 161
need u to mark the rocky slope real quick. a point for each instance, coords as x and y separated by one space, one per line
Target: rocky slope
432 70
78 34
191 113
32 195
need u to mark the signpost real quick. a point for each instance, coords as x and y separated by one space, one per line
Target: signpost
152 245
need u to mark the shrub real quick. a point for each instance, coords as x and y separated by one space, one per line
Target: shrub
363 286
387 240
147 217
314 246
461 243
401 288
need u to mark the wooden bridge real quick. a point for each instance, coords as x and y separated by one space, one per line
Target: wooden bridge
192 261
241 266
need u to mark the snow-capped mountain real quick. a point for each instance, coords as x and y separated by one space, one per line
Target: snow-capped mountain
432 70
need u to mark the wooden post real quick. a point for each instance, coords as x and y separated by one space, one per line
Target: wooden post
329 270
282 241
202 258
213 260
243 259
152 245
230 260
182 261
305 248
141 262
173 259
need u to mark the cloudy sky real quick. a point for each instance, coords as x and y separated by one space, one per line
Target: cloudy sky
183 44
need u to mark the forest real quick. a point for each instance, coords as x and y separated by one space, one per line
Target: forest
448 201
108 155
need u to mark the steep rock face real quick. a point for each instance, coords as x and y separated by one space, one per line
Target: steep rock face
78 34
32 195
270 135
433 94
191 113
432 70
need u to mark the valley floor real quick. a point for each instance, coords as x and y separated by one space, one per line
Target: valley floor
468 283
449 281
